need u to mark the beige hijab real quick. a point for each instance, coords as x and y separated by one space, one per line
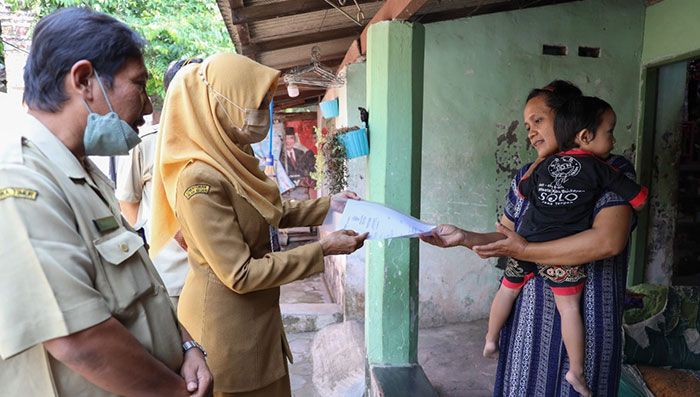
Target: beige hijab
195 126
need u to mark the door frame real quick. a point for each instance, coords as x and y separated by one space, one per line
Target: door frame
644 159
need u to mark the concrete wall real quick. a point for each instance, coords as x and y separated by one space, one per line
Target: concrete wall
478 72
671 31
345 275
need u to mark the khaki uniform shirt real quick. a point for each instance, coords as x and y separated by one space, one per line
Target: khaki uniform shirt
134 184
230 302
69 262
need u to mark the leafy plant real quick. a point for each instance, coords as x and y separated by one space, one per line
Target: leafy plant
173 29
331 165
335 169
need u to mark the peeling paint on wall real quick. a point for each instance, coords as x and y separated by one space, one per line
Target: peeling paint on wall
630 153
508 159
663 210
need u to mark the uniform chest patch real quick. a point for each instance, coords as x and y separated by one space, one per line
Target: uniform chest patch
197 189
18 192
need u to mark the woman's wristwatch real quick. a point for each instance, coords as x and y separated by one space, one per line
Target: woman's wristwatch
190 344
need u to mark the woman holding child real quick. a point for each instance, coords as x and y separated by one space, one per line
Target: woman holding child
533 360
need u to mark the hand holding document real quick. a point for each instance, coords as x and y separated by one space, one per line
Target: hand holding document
381 222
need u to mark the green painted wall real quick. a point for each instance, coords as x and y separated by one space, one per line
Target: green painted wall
354 282
395 100
478 72
671 31
356 77
345 275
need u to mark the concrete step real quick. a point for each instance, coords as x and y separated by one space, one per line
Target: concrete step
307 306
309 317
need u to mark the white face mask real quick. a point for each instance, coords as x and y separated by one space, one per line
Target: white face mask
256 122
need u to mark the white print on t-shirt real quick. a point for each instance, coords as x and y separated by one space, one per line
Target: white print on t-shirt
563 168
555 194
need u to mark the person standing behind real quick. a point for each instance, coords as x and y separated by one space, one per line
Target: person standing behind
84 312
134 186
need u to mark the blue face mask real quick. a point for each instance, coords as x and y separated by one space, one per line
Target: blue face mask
107 134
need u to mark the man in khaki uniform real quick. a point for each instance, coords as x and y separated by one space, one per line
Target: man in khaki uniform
84 312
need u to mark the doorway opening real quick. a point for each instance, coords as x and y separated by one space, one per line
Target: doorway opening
686 264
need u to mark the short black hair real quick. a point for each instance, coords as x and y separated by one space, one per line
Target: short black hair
556 93
584 112
174 67
67 36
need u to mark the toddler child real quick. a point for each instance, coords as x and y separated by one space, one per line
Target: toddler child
562 191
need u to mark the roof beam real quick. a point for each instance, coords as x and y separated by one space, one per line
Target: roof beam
301 39
303 93
330 63
327 60
297 116
284 8
352 55
294 102
281 89
282 100
393 9
506 5
241 29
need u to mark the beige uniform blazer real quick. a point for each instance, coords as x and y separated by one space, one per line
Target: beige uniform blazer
69 262
230 301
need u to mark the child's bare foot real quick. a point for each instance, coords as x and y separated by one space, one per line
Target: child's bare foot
579 384
491 349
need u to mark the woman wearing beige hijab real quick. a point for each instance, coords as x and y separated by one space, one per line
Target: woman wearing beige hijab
208 183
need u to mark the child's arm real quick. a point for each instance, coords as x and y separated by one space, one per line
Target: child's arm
617 182
527 184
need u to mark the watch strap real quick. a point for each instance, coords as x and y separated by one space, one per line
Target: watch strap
190 344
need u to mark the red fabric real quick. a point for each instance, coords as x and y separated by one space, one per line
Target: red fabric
640 199
573 290
574 152
512 285
305 131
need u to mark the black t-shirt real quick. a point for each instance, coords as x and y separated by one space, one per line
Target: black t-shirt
563 190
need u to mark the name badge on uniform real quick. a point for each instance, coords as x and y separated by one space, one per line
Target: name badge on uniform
200 188
106 224
18 192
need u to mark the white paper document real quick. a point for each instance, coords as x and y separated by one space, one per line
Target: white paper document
381 222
